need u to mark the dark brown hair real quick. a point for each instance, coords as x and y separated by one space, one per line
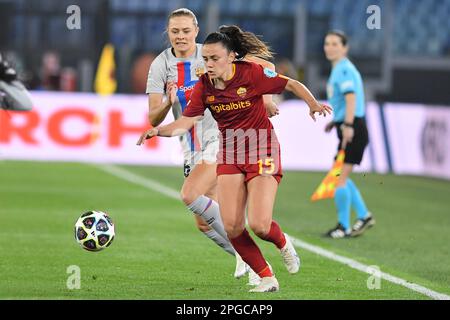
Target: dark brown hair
340 34
244 42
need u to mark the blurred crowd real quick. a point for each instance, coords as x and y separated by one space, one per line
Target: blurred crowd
49 75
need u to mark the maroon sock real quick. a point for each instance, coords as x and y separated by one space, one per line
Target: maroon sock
251 254
275 235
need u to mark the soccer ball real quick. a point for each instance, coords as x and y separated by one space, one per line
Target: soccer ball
94 230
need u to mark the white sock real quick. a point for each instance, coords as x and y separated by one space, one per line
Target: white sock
221 242
208 210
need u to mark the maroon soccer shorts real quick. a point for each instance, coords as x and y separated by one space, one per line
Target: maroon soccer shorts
264 167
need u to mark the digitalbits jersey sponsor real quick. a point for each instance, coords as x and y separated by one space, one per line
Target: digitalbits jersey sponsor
239 111
185 72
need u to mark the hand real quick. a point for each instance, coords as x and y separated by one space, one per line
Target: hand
322 109
330 125
171 91
347 135
272 109
150 133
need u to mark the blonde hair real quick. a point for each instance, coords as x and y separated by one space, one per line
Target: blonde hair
183 12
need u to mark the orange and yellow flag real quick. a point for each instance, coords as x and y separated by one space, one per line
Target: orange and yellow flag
328 185
105 81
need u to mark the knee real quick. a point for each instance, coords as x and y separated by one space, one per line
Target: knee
188 195
233 230
260 228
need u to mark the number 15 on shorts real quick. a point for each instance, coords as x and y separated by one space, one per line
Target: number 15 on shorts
267 166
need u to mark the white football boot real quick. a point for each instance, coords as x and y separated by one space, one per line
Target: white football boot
290 257
241 267
267 284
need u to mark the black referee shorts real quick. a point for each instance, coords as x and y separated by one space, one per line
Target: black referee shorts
354 150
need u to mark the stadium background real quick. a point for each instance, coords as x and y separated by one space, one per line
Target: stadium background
406 70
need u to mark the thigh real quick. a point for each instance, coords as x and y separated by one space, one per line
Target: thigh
262 192
232 194
202 180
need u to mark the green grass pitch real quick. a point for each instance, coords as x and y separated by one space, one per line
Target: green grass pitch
159 254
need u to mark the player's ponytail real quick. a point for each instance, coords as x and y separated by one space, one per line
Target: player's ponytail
244 42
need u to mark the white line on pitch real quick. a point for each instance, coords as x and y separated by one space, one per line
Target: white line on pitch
367 269
136 179
156 186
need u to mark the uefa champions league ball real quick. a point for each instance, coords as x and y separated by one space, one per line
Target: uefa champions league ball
94 230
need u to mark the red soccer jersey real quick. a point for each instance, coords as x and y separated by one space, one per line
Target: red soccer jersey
246 131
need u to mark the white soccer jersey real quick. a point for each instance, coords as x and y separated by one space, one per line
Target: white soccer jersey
185 73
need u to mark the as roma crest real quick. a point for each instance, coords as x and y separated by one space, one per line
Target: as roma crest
241 92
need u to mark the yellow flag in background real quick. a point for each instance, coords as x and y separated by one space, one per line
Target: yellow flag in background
105 81
328 185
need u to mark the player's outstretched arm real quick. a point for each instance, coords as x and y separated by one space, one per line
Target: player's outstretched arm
176 128
302 92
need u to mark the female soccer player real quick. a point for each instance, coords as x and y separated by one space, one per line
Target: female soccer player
346 96
248 172
174 72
